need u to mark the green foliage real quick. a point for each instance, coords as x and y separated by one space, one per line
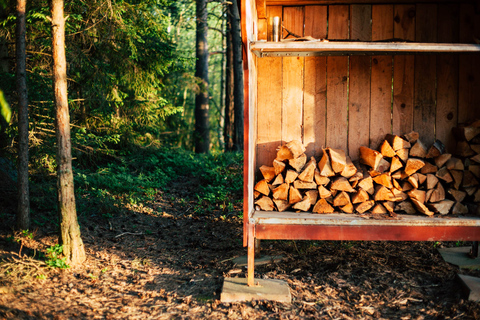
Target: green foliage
5 111
53 257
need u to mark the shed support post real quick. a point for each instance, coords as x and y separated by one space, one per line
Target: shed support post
474 250
251 255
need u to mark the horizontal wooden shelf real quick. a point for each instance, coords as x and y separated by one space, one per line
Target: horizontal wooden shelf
325 48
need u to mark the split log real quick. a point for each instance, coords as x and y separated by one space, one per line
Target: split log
475 169
417 194
463 149
399 195
373 173
389 205
367 185
467 133
413 165
386 149
298 163
412 137
324 166
399 175
279 166
291 176
432 181
418 150
454 164
413 180
476 158
283 153
438 194
397 185
428 168
348 208
312 195
262 187
299 184
469 180
278 180
281 205
338 160
322 206
321 180
324 192
443 207
475 148
476 196
379 209
265 203
436 149
364 206
370 157
396 164
308 172
360 196
342 199
294 195
256 194
406 186
356 177
268 173
383 166
444 175
384 179
350 169
458 195
281 192
421 178
397 142
442 159
457 178
421 207
383 194
405 206
470 190
341 184
459 208
303 205
402 154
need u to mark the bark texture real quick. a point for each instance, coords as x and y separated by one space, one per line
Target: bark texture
70 238
238 76
23 209
202 128
229 129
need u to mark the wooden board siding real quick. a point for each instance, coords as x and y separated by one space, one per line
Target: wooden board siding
346 102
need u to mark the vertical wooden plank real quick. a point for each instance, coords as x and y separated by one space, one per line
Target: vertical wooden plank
292 109
381 78
337 81
425 74
403 75
447 76
269 104
314 96
359 92
469 75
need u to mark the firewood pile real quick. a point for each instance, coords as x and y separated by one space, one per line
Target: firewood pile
402 176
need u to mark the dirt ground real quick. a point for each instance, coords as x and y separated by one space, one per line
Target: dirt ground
172 266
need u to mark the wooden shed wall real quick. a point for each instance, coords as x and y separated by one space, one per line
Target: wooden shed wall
348 101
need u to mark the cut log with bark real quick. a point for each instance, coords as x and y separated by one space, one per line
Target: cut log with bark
436 149
322 206
370 157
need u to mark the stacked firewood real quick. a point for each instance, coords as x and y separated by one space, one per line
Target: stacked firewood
403 175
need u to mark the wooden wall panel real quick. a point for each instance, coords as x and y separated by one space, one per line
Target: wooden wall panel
381 77
359 93
292 109
425 74
447 76
403 74
269 104
469 76
314 96
337 81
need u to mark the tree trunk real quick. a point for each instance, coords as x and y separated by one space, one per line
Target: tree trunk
23 209
229 129
70 238
202 130
238 75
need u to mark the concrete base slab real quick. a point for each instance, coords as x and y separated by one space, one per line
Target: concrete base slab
242 261
236 289
471 286
459 257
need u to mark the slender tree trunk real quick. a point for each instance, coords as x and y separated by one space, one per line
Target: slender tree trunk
229 128
23 209
70 238
238 75
202 130
4 68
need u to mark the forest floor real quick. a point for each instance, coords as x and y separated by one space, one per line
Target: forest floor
171 265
